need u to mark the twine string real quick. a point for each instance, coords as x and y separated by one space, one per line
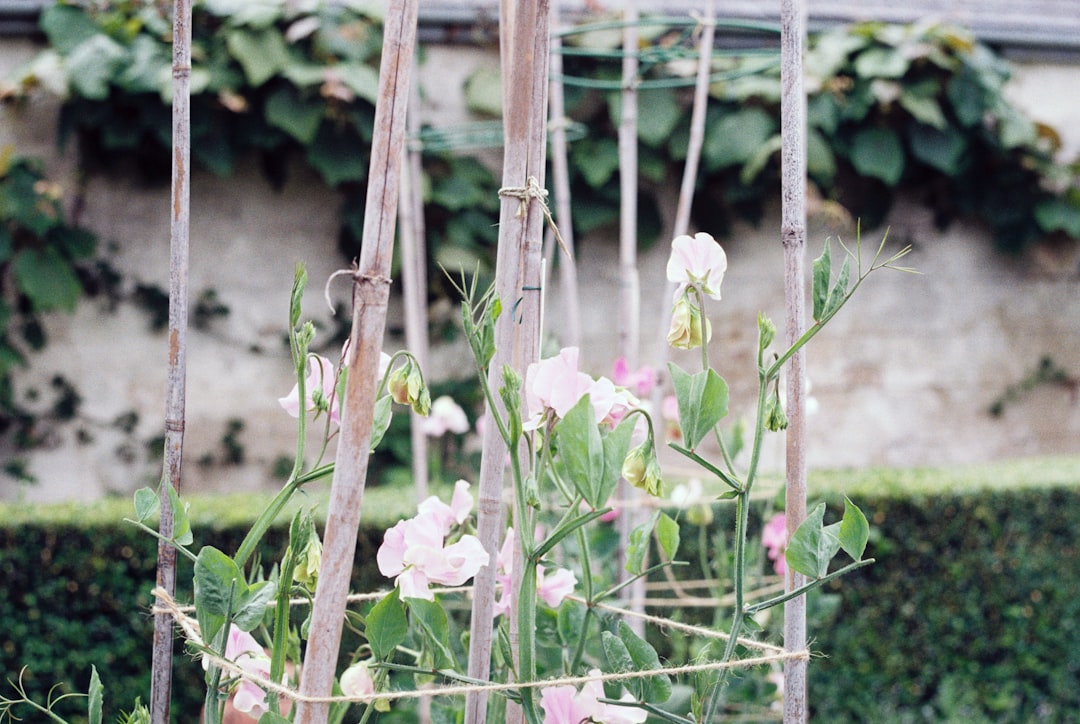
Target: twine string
532 190
190 628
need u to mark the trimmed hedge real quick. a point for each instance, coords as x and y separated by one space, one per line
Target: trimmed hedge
971 612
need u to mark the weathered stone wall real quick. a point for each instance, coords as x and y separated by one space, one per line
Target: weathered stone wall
903 377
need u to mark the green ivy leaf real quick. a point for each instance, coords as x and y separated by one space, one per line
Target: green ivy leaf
76 243
1059 214
702 400
940 149
363 80
878 153
581 451
881 63
760 159
483 91
386 626
967 96
336 156
261 53
664 113
820 160
734 138
854 530
299 117
923 107
596 160
67 26
95 62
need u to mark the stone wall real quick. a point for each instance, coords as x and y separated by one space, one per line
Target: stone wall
905 376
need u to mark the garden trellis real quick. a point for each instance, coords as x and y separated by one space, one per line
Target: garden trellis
519 282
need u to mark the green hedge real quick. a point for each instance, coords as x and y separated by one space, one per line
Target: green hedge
971 612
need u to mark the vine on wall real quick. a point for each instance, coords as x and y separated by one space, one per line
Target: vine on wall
893 109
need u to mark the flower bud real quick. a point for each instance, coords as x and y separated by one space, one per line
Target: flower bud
775 419
641 469
686 325
306 571
406 385
766 331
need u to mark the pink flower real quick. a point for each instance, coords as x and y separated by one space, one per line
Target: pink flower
774 538
445 416
555 385
414 553
318 388
242 649
566 705
640 382
356 680
552 589
697 260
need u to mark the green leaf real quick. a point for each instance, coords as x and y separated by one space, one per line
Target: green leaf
75 243
1059 214
298 117
95 62
483 91
878 153
337 156
667 535
881 63
854 530
7 243
384 412
571 618
581 451
637 547
616 444
216 580
664 113
839 290
822 270
261 53
46 279
967 96
812 546
702 399
760 160
363 80
940 149
386 626
595 159
436 629
181 524
67 26
94 697
653 689
923 109
820 160
616 653
146 503
734 138
251 603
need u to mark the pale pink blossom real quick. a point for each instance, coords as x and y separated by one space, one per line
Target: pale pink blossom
640 382
774 538
697 260
551 588
356 680
242 649
554 385
566 705
414 553
321 380
445 416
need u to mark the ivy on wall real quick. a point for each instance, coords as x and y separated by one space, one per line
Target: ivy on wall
892 109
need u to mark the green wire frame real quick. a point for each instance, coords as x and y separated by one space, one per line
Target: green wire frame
653 56
478 134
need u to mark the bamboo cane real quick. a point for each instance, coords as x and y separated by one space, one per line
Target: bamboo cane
371 291
793 237
180 225
524 49
560 178
414 281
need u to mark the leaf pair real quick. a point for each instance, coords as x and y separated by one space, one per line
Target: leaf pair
590 459
702 399
814 544
828 299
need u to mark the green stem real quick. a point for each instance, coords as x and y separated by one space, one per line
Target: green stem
750 610
730 481
162 538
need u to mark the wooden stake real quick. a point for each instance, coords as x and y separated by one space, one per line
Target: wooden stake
371 291
161 671
517 281
793 237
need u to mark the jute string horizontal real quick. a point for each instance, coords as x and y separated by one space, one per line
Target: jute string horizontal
191 631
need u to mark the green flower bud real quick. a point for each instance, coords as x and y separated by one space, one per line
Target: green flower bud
766 331
406 385
306 571
686 325
775 419
641 469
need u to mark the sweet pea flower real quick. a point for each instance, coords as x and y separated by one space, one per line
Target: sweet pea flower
414 553
356 680
242 649
552 587
774 538
641 381
566 705
445 416
697 260
686 323
319 388
554 385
